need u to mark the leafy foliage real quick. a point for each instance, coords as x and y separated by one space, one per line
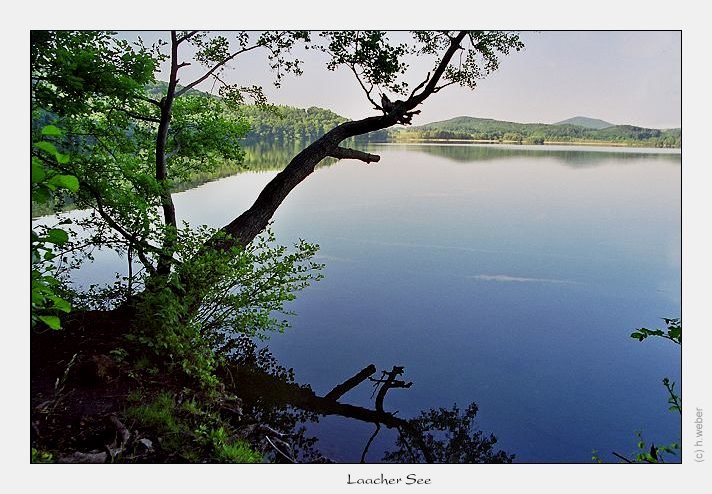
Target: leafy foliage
227 450
71 68
672 333
369 54
238 292
47 302
656 453
184 429
38 456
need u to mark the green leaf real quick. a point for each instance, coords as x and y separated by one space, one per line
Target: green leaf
60 304
41 195
47 147
62 158
38 172
57 236
69 182
51 130
51 321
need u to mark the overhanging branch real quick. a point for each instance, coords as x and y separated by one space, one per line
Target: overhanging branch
341 153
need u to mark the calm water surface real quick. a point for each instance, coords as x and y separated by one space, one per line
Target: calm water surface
507 276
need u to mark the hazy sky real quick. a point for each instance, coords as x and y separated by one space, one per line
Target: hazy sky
624 77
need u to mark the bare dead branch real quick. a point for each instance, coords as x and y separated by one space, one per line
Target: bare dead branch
350 383
341 153
427 78
388 383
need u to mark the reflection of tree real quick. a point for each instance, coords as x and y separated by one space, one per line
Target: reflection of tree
449 438
277 404
565 156
273 424
272 156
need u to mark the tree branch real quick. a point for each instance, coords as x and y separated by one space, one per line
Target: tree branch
439 70
131 239
149 100
341 153
438 88
350 383
368 92
210 72
621 457
138 116
186 36
368 444
243 229
427 78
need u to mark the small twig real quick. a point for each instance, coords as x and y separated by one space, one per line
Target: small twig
367 91
186 36
427 78
59 383
138 116
368 444
279 450
621 457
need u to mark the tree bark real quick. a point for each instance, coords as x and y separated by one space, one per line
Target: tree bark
243 229
169 210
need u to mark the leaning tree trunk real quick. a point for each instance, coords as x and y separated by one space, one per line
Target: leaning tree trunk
242 230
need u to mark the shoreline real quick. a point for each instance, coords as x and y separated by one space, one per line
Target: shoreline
545 143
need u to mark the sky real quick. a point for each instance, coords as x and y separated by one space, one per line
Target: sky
623 77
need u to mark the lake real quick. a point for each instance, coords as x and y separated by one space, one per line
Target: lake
509 276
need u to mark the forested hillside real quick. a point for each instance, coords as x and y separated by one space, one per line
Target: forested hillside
485 129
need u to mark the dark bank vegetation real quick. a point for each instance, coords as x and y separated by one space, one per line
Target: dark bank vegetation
158 366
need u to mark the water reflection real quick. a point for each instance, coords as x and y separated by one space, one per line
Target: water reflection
274 156
554 262
571 156
279 407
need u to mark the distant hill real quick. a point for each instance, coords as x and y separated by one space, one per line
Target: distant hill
280 124
487 129
589 123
